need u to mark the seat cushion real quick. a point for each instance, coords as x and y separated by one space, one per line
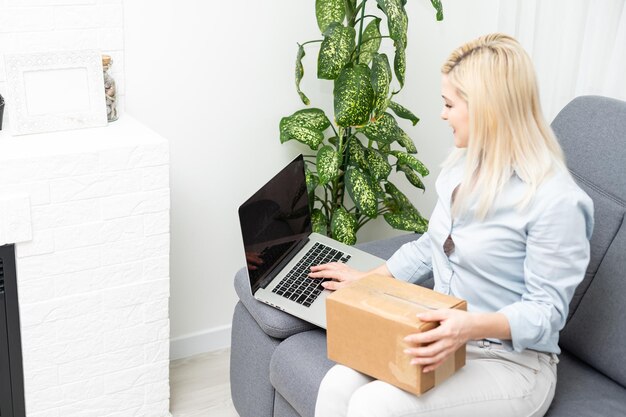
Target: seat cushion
297 368
583 392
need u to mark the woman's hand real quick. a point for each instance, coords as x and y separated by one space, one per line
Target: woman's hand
430 349
340 273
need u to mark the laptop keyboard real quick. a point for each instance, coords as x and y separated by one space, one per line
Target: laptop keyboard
297 286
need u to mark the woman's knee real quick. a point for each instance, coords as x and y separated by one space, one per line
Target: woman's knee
336 389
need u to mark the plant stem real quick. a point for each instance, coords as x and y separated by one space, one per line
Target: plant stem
308 42
358 47
367 15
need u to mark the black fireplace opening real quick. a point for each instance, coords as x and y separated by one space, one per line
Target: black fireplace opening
11 373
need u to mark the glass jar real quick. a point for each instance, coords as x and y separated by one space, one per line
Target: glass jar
110 92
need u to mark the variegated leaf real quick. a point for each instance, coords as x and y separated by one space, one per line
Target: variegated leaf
306 126
377 165
403 112
381 78
405 141
300 74
353 96
439 8
312 181
384 148
411 161
343 226
399 62
408 221
383 130
329 11
371 41
360 189
335 51
357 153
397 19
378 190
319 222
399 202
411 176
328 161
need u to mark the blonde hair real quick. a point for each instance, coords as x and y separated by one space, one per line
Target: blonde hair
507 131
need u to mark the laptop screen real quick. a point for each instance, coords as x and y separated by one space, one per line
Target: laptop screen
274 221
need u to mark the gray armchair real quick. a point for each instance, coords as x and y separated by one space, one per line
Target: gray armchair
278 361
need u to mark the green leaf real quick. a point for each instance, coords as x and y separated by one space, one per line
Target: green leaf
335 51
306 126
397 19
384 148
403 216
371 41
399 62
411 176
408 221
319 222
357 153
381 78
411 161
377 164
300 74
383 130
343 226
312 181
328 162
329 11
405 141
360 189
399 201
403 112
353 96
439 8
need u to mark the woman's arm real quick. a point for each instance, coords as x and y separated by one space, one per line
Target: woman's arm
412 262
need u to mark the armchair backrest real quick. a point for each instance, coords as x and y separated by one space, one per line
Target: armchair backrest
592 132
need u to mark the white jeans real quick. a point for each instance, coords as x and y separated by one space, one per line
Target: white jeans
492 383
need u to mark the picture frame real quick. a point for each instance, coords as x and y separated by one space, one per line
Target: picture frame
52 91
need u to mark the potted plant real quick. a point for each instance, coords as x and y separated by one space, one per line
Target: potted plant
365 142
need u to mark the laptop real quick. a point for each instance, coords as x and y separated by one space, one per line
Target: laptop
280 247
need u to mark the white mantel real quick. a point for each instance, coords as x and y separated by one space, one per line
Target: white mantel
88 211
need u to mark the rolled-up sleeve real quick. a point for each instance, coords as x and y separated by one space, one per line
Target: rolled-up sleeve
557 255
413 261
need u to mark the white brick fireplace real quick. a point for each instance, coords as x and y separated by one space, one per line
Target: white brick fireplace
88 211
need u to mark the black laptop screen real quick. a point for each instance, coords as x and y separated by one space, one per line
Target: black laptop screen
274 221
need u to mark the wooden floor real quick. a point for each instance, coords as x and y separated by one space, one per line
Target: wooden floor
200 386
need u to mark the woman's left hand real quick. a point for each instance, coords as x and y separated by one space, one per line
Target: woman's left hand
430 349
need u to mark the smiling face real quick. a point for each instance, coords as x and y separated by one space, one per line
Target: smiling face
455 112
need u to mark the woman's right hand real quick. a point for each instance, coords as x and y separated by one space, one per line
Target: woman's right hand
340 274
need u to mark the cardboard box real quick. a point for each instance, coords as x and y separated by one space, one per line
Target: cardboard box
367 322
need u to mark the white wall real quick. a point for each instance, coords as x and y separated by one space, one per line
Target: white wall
215 78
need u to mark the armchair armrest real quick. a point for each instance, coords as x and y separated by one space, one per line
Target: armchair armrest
272 321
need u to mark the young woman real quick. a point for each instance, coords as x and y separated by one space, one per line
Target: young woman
509 234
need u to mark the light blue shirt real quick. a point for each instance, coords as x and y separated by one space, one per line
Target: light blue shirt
524 263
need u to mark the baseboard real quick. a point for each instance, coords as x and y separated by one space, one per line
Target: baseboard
192 344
